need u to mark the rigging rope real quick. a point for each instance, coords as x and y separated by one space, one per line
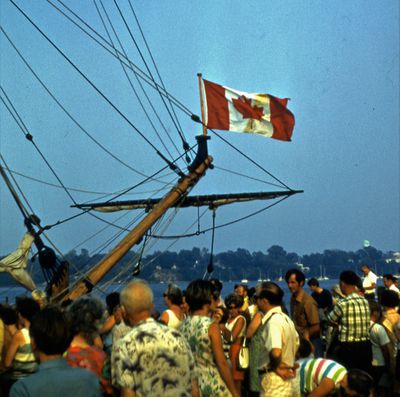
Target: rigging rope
185 144
103 194
134 68
69 115
223 224
142 75
163 93
130 81
29 137
141 134
184 141
250 159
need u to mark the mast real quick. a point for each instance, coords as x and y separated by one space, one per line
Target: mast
202 162
199 75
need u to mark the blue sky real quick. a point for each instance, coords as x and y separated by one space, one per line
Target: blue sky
338 61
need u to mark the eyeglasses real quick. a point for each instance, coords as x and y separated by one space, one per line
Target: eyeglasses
232 307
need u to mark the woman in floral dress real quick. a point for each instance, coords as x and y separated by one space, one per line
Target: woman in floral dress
204 337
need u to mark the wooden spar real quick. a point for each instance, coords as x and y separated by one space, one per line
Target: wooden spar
133 237
13 193
199 75
210 200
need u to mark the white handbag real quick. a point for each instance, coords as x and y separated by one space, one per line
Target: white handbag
243 359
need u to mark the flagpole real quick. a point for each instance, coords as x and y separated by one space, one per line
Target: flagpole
199 75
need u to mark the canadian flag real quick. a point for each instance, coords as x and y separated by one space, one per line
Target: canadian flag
232 110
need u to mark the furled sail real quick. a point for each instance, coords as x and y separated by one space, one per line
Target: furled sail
16 262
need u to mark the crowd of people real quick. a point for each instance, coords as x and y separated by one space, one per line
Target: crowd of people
341 343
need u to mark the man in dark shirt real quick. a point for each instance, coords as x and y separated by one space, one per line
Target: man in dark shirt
322 296
324 301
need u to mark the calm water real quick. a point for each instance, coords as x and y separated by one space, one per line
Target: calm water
9 293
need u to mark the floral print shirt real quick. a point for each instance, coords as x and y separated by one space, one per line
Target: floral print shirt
154 360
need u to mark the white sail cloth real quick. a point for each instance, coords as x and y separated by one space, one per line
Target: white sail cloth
16 263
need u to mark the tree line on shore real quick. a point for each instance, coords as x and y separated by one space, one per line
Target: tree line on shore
272 264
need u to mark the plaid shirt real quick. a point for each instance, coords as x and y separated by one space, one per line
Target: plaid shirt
352 314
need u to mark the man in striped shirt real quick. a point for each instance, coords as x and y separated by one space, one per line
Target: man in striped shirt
352 317
317 376
320 373
320 377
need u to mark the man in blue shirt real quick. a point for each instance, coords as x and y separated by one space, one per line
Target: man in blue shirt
50 338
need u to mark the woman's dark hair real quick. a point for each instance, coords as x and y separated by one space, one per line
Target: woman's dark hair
390 299
360 382
84 316
8 314
300 277
234 299
26 307
313 282
217 284
49 329
112 301
251 292
174 294
272 292
198 294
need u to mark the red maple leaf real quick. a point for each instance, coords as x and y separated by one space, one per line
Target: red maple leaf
243 106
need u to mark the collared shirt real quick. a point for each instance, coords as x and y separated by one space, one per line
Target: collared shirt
352 314
394 288
279 332
56 378
304 311
154 360
368 280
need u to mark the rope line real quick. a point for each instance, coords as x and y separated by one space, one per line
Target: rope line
88 80
130 81
150 73
159 76
63 108
221 225
134 68
28 136
103 194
